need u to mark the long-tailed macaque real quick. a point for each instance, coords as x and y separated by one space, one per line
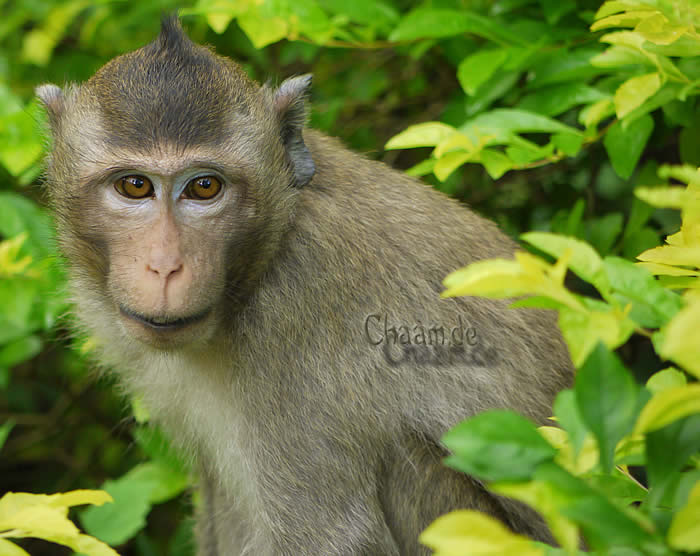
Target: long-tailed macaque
274 300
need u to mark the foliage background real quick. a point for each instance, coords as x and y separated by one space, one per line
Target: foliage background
379 66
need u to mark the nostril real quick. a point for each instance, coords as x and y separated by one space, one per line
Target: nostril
165 269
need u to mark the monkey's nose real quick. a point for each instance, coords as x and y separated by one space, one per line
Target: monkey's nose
165 265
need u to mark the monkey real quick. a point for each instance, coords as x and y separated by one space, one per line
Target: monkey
274 300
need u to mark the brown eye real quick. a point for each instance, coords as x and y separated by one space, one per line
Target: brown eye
206 187
134 187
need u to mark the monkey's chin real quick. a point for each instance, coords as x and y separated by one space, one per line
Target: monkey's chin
165 332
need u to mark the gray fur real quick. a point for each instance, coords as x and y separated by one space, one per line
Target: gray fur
311 437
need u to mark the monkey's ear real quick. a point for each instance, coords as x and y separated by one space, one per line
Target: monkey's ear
290 104
53 99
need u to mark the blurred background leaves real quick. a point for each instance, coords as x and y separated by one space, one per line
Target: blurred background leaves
519 108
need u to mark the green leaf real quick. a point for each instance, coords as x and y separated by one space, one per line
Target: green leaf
167 482
504 122
19 350
20 142
367 12
5 430
620 56
554 10
602 232
652 304
618 487
606 396
568 143
569 418
604 525
17 299
639 215
557 99
38 44
18 214
306 17
422 168
498 86
542 497
156 445
686 46
487 444
669 448
495 162
477 68
425 23
624 145
689 145
564 65
684 533
118 522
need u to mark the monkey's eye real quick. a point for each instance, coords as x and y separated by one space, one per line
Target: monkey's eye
134 187
203 188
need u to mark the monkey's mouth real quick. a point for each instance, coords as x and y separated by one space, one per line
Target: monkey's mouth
164 323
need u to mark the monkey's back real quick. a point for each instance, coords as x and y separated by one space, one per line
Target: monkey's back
367 252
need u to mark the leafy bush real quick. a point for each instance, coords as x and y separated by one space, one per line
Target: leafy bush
577 476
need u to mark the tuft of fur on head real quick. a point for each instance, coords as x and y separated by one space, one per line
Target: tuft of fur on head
171 91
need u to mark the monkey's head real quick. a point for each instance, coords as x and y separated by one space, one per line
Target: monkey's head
173 177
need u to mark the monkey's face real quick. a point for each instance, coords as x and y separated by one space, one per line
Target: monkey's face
167 233
174 178
160 237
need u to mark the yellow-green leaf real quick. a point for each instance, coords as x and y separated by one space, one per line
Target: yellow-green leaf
449 162
428 134
582 330
615 6
633 92
684 532
10 263
658 30
495 162
219 13
672 255
8 548
682 338
90 546
627 19
540 496
583 260
262 30
668 406
500 278
470 532
456 141
665 380
593 114
577 465
41 521
667 197
659 269
80 497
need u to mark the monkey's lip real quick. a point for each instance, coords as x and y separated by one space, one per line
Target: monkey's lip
164 324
